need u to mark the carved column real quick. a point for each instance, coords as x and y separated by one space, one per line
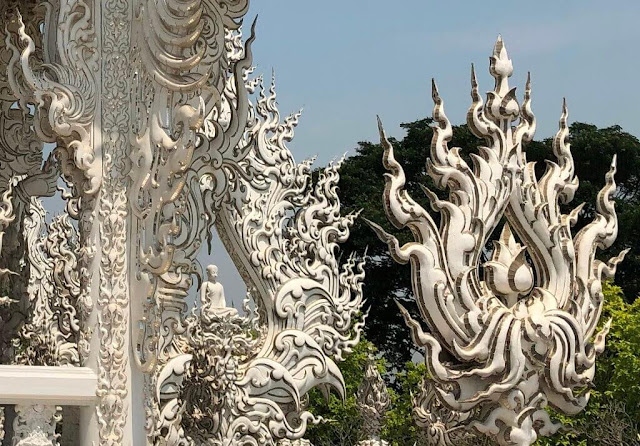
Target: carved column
117 374
81 101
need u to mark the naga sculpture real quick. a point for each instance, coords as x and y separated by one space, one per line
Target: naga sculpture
520 332
162 137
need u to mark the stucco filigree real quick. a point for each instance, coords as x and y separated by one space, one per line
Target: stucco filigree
35 425
282 233
373 402
113 303
61 86
517 343
20 147
51 77
162 137
50 333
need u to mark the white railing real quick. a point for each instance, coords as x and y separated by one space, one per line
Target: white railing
37 392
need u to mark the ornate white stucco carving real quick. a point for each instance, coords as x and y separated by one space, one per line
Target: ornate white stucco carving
162 137
52 72
60 84
51 332
282 234
7 216
373 402
206 157
301 442
517 343
20 147
35 425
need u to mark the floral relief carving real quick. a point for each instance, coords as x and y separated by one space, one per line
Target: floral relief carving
114 300
207 158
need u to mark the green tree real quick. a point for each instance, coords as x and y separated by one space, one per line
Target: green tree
399 428
342 420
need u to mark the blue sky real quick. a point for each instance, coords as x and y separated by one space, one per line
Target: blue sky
345 61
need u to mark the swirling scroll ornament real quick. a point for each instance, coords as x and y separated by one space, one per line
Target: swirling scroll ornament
63 93
20 147
182 69
113 296
237 176
7 216
50 335
51 73
523 335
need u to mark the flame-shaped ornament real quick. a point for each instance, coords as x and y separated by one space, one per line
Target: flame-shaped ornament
522 336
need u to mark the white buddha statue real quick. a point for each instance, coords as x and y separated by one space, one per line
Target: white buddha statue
212 296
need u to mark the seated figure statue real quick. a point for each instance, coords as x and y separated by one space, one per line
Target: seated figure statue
212 297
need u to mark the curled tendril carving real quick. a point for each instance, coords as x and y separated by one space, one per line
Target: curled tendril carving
63 93
523 335
210 154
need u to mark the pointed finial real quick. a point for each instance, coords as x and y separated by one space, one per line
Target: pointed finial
501 67
499 50
434 91
565 115
383 135
254 25
474 85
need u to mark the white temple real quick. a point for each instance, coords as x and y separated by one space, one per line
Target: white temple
161 135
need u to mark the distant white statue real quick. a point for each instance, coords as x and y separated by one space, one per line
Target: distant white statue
212 296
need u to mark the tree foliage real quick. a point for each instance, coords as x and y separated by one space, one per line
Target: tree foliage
342 421
399 428
612 416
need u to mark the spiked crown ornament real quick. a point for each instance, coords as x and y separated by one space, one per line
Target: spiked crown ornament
521 330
